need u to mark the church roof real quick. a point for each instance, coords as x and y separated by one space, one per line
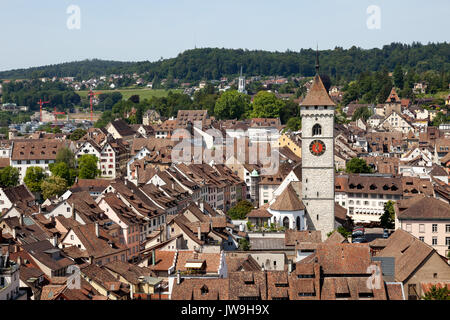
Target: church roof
393 97
317 95
288 200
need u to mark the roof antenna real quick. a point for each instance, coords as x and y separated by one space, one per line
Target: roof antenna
317 60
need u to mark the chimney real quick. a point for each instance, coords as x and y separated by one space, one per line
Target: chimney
201 205
199 233
72 210
178 277
290 266
55 241
21 220
39 208
153 257
14 233
97 232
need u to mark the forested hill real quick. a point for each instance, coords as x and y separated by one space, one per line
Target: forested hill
214 63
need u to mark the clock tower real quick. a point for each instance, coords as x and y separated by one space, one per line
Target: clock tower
317 112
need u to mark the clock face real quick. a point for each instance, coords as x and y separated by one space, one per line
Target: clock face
317 147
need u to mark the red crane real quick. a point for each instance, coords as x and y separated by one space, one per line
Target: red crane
40 103
91 95
56 113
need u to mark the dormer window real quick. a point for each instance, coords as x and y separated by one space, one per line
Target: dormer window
204 290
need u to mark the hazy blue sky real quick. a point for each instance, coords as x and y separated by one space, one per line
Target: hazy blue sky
35 32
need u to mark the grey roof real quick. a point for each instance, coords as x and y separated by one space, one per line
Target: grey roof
268 244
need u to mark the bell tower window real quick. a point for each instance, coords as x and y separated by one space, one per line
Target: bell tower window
317 130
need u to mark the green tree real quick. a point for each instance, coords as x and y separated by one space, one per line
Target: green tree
9 177
240 210
357 165
294 124
231 105
398 76
440 119
66 155
53 186
134 98
387 220
33 178
61 169
437 293
244 244
362 113
87 167
77 134
266 105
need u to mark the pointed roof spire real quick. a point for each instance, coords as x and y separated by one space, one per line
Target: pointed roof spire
317 60
317 94
241 70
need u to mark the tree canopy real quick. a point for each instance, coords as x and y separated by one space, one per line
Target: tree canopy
357 165
435 293
33 178
240 210
387 219
9 177
53 186
87 167
266 105
214 63
231 105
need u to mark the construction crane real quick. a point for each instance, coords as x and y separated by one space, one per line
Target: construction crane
56 113
40 103
91 95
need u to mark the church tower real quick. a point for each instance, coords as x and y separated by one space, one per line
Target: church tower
317 112
241 84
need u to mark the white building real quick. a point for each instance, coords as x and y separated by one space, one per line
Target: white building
9 279
288 210
34 153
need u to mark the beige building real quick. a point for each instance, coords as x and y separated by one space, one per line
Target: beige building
417 265
286 140
427 219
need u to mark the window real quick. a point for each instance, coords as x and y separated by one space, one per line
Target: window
421 228
447 241
434 228
422 239
317 130
408 227
447 228
434 241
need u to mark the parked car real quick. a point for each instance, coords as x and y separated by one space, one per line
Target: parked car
361 239
358 232
385 233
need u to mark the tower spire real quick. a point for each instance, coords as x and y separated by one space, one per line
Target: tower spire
317 60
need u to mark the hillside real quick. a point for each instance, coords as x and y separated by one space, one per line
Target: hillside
214 63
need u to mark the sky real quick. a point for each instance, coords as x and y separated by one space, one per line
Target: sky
36 33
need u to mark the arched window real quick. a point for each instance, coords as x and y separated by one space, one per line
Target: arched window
317 130
298 223
286 222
